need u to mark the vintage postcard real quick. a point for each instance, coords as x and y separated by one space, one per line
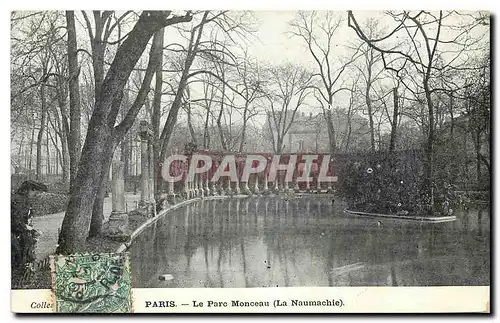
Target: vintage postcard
208 161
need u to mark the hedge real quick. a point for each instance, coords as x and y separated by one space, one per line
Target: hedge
48 203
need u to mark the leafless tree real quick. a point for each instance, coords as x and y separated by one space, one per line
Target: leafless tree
289 87
102 134
428 39
318 31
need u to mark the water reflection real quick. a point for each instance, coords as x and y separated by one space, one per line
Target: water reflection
272 241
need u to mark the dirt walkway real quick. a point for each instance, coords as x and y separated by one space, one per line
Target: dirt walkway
49 225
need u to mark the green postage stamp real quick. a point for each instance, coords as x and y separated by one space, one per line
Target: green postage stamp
91 283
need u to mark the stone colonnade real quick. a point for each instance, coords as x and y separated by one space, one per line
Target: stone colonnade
200 186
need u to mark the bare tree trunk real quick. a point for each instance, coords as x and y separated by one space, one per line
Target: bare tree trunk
190 124
47 150
58 155
98 45
429 148
331 132
20 149
40 134
369 65
219 117
452 117
125 155
221 131
244 129
370 120
55 143
349 121
31 149
74 143
394 124
65 156
156 115
206 135
279 145
62 131
98 207
349 130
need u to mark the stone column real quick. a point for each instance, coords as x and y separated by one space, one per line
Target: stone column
207 189
145 135
186 185
296 187
151 174
265 189
237 187
192 191
256 184
307 170
170 189
144 172
276 184
246 189
285 184
194 186
117 227
228 189
199 185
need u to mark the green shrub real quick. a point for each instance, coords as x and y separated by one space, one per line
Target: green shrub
381 182
384 182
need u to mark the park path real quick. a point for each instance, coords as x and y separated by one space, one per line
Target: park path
49 225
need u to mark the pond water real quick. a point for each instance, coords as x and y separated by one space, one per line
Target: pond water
307 241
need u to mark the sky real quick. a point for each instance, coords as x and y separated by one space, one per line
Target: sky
273 44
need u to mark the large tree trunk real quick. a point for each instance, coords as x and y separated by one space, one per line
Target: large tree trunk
119 135
101 133
98 45
65 162
156 116
74 143
98 208
125 155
